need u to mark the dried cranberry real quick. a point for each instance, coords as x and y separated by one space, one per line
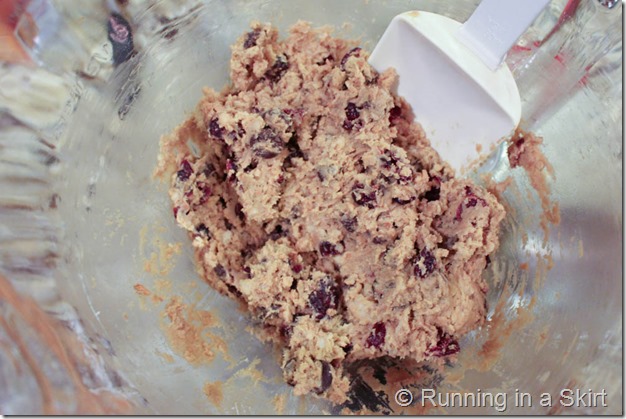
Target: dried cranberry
121 37
325 60
176 211
294 148
278 69
251 38
206 192
401 201
446 345
209 169
428 263
267 144
239 211
185 171
353 52
394 113
296 268
215 130
324 298
459 212
253 165
349 223
377 336
231 166
360 197
471 200
352 112
389 158
328 249
233 290
202 230
326 378
350 125
285 330
277 233
432 194
220 271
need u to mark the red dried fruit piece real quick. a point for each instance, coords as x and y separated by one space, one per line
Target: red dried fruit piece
185 171
349 223
377 336
251 38
175 209
326 378
389 158
277 233
202 230
394 114
215 130
427 266
400 201
285 330
278 69
324 298
219 271
267 144
433 194
206 192
360 197
350 125
470 200
209 169
239 211
329 249
446 345
121 37
353 52
352 112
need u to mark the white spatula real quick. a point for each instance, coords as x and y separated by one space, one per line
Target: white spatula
453 77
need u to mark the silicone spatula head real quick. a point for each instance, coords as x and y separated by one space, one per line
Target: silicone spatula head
453 77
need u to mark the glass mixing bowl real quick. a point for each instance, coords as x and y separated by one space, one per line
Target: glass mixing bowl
87 232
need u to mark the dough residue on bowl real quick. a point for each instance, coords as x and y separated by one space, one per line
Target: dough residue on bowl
311 196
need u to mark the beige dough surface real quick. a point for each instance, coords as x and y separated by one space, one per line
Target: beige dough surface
312 197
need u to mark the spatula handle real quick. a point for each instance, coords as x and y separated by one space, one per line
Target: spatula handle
496 25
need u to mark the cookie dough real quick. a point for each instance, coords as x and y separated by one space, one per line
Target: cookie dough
312 196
